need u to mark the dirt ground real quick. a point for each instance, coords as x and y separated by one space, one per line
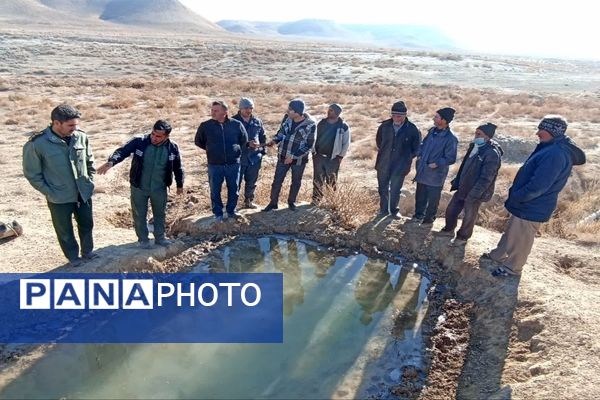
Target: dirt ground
534 337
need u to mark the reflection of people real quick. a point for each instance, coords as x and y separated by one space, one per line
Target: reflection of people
245 256
59 163
321 260
534 193
293 291
155 160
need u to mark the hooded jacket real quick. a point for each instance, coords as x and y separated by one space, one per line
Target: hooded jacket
534 193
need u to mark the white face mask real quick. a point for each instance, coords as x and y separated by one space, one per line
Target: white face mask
479 141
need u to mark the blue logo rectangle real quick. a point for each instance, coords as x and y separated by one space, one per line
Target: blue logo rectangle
141 308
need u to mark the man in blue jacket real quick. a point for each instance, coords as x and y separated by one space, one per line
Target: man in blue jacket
253 153
156 159
534 193
437 153
223 138
474 182
398 142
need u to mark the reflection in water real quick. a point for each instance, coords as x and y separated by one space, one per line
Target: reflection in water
333 309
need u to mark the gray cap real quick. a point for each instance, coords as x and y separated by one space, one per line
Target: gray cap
246 102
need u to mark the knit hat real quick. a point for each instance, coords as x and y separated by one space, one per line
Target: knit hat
488 128
555 125
399 108
447 113
246 102
297 105
337 109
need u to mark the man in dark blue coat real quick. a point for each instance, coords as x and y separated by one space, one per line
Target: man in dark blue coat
398 141
474 183
253 153
436 154
534 193
223 139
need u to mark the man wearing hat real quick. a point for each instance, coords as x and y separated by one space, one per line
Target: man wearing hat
331 145
251 154
533 195
437 152
295 139
397 141
474 183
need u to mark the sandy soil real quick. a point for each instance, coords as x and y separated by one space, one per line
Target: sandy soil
536 337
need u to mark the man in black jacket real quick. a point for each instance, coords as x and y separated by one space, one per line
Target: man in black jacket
474 183
398 141
155 160
223 138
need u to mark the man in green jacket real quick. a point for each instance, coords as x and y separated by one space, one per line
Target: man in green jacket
58 162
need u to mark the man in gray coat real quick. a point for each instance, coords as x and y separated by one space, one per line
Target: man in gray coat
437 153
474 183
58 162
398 142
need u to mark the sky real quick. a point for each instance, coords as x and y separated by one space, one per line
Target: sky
552 28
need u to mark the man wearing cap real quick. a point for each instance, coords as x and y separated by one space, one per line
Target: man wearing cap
251 154
397 141
474 182
436 154
331 145
295 139
223 138
533 195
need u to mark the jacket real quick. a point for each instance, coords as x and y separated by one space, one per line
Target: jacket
255 131
223 142
342 137
440 148
396 153
534 193
63 173
137 147
476 177
298 143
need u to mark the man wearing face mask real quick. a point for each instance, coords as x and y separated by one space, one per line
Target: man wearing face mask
533 195
474 182
156 159
58 162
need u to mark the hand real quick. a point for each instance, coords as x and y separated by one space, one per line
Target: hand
104 168
433 165
270 143
339 158
253 144
288 160
179 191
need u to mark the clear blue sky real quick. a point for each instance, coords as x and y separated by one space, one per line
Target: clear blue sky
567 28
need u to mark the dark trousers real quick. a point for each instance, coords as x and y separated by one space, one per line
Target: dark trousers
389 185
281 171
325 173
427 200
139 209
249 174
62 220
453 210
216 175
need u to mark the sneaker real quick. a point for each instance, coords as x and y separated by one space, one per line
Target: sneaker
234 215
397 215
502 272
250 204
416 220
382 214
90 256
427 221
270 207
292 206
163 242
458 242
74 263
145 244
218 218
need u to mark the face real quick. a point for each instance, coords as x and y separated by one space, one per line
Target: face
291 113
331 114
398 119
246 112
438 121
158 137
479 134
217 112
65 128
544 136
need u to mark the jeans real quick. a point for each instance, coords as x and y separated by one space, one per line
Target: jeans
249 174
216 175
62 221
427 200
389 185
281 171
139 209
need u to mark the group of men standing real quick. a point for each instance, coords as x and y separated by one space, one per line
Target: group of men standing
58 162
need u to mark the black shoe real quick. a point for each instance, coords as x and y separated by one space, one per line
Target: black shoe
163 242
74 263
397 215
427 221
234 215
90 256
292 206
270 207
446 231
416 220
249 204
